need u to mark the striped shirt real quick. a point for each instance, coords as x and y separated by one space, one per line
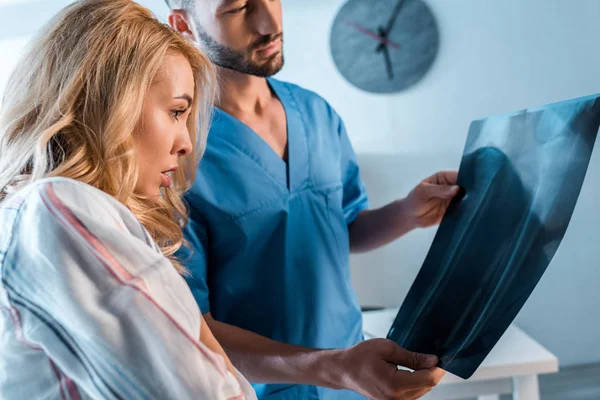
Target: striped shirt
91 309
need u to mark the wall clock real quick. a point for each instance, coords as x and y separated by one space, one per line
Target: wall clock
384 46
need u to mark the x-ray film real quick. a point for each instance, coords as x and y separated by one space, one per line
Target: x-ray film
521 174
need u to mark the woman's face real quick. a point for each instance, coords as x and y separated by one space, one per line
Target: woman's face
164 135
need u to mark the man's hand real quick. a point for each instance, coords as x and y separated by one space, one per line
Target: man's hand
370 368
425 206
427 203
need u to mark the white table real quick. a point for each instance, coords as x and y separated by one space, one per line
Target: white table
512 367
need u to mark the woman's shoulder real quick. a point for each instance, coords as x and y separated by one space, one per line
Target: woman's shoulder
65 199
69 190
63 213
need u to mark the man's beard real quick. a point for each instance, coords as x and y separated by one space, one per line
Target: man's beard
239 61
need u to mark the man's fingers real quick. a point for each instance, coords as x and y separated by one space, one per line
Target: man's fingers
400 356
413 384
424 378
443 178
445 192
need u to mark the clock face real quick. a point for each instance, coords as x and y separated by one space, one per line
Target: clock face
384 46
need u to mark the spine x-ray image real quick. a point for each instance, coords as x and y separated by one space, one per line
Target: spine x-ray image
521 175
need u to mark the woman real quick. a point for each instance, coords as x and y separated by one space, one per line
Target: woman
98 139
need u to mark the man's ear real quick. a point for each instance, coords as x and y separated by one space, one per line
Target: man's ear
181 22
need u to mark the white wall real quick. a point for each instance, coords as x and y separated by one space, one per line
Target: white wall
21 19
495 57
10 49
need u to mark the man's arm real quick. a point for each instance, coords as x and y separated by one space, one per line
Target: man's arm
375 228
263 360
423 207
368 368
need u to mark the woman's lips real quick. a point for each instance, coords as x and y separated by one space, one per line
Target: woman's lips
166 180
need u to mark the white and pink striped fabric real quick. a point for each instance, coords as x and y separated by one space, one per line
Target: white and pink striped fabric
90 308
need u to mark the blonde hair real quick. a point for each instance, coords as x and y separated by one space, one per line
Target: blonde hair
73 108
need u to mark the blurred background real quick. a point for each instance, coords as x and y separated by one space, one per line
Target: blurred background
494 57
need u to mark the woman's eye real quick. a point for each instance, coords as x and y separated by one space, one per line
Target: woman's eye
177 113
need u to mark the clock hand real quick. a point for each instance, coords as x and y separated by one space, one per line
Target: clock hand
391 22
388 61
394 16
372 34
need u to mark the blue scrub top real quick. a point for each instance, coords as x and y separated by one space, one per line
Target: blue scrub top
270 238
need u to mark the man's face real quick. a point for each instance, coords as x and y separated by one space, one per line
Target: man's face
242 35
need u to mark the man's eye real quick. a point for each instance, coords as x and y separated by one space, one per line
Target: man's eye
238 10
